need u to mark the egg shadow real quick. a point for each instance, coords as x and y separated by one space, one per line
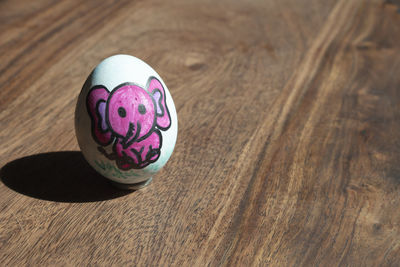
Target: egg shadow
58 176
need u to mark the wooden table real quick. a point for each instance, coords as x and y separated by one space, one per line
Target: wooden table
288 150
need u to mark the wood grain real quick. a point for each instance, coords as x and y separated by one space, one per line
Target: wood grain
288 149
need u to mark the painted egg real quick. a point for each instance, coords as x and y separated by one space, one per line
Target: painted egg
125 121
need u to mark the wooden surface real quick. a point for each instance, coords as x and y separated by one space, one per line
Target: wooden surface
288 150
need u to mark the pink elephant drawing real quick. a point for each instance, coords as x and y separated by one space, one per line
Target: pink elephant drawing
130 118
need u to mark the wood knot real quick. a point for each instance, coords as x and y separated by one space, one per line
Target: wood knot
377 227
197 66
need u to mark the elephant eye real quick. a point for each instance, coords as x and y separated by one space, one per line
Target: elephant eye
142 109
121 112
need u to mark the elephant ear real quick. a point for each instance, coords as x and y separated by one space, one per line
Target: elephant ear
96 102
157 91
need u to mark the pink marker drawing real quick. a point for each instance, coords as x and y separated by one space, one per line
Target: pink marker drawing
130 118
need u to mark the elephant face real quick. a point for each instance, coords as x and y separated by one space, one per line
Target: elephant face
131 113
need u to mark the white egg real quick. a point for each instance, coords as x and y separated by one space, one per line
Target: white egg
125 121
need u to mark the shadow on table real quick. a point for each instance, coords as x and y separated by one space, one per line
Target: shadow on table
58 176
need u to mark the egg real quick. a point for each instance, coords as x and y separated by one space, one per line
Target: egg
125 121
